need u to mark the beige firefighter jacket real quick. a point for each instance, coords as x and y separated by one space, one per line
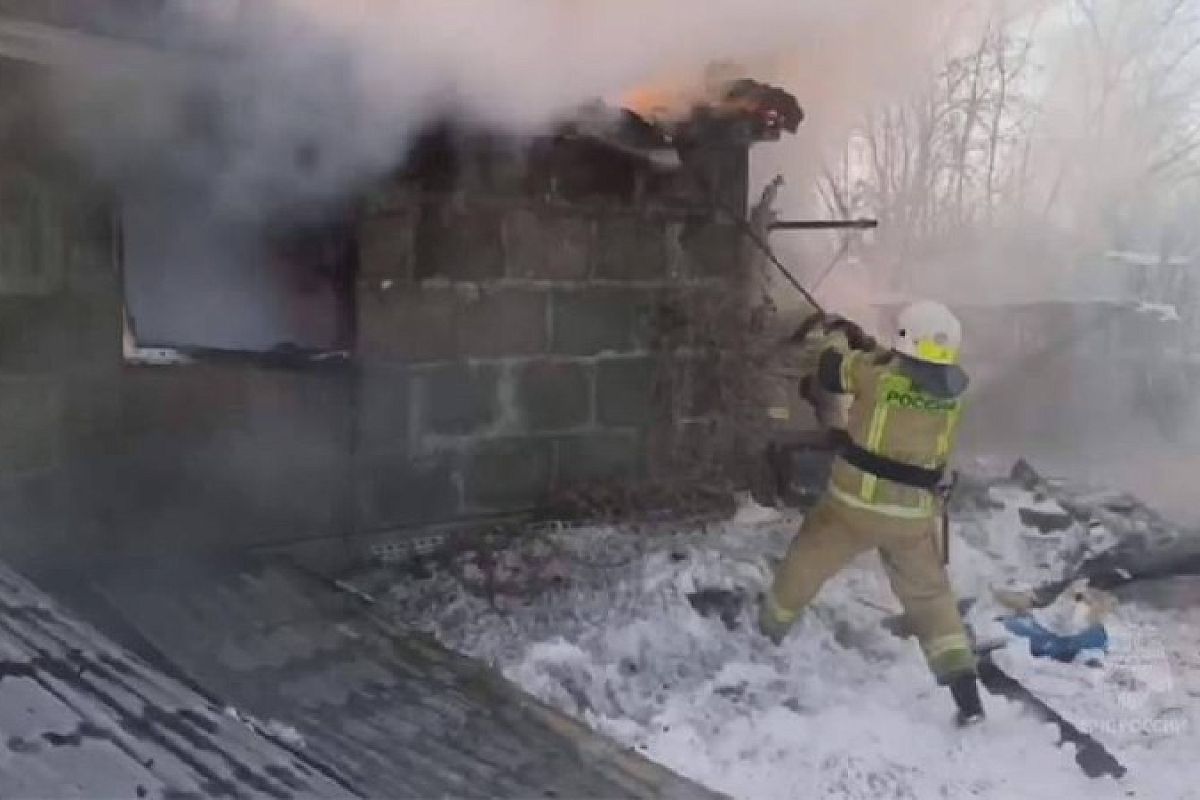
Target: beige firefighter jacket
895 413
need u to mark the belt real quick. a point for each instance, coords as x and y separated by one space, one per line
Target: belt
889 469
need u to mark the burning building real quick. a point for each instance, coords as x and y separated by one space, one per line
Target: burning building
479 332
207 414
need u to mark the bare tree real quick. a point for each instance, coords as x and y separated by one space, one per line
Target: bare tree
1140 69
936 163
979 145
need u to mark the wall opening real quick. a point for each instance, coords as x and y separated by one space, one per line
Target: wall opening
197 282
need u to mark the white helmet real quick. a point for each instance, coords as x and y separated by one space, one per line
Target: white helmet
928 331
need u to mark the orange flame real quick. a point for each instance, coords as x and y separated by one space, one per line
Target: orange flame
673 97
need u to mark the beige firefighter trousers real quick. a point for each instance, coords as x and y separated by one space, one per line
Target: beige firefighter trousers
834 533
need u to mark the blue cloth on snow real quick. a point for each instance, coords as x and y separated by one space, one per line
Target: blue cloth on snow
1045 643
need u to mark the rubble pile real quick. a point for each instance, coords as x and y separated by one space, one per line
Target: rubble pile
649 638
1067 532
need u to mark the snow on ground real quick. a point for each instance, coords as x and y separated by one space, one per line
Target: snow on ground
843 709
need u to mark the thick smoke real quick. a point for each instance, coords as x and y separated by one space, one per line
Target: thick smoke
270 112
262 109
282 101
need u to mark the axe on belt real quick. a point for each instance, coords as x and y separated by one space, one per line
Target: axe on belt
944 492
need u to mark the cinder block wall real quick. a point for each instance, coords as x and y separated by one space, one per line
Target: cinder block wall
506 351
506 348
60 352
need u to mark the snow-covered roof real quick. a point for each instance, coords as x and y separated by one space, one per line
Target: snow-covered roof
387 710
82 717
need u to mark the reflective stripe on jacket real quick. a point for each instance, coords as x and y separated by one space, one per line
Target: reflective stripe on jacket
893 417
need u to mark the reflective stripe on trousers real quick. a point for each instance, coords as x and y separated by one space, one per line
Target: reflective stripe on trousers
922 511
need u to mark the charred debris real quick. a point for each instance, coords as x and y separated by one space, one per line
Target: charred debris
614 155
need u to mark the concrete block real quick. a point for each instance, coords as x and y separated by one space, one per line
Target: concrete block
308 400
36 335
704 387
408 324
198 399
92 415
548 244
677 317
598 457
48 334
95 321
386 247
631 247
228 487
460 242
508 475
458 399
628 391
705 249
384 402
33 237
592 321
91 252
395 491
506 322
555 396
33 521
30 423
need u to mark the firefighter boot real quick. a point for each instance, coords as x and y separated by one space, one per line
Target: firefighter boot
965 691
774 622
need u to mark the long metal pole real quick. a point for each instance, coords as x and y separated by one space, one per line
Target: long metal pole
824 225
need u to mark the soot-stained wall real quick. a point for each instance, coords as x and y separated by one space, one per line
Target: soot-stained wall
525 360
505 350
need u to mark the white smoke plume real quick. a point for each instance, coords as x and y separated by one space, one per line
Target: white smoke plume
263 111
279 101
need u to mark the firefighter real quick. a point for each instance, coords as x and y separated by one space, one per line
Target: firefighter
886 487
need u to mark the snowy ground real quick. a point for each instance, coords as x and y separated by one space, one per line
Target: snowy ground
599 624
